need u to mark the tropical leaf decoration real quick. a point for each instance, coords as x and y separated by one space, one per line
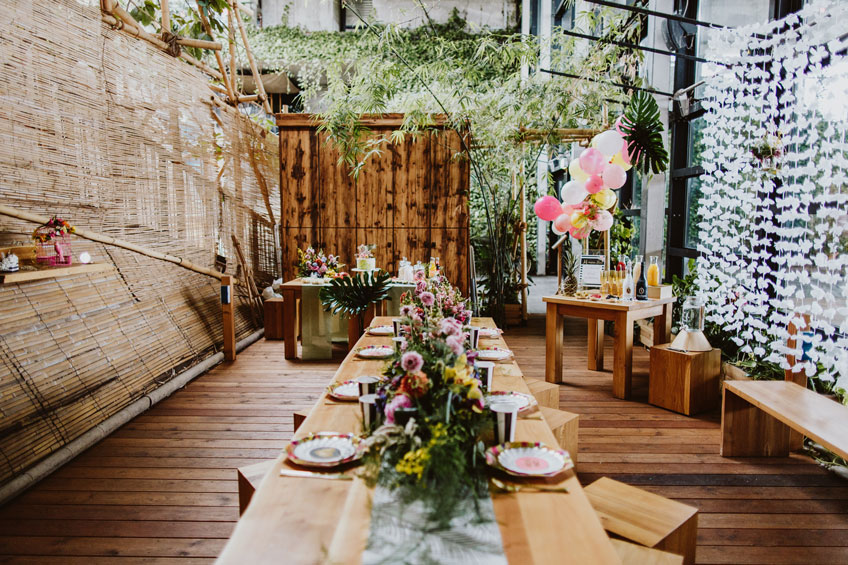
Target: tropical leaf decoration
351 296
642 129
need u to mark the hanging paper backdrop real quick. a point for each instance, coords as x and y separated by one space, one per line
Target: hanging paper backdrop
773 219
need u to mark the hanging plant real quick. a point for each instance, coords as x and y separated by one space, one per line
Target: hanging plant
642 130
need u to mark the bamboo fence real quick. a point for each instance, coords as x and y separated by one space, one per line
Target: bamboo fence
122 140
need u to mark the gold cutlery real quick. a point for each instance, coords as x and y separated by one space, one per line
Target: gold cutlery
313 475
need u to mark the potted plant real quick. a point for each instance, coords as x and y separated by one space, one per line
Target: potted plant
354 297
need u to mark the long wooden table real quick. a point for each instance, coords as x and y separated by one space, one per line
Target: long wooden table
305 520
623 314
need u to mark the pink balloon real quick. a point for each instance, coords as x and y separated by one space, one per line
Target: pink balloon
614 177
562 223
579 233
602 221
592 161
595 184
547 208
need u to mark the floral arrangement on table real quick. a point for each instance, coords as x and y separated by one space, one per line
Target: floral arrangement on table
312 263
365 260
429 446
53 246
434 298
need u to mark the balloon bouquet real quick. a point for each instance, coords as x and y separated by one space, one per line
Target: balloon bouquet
588 196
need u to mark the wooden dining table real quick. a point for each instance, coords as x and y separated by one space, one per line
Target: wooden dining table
309 520
622 313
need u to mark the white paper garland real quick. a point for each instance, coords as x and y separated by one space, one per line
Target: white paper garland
773 233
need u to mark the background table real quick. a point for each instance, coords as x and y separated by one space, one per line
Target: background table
623 314
303 520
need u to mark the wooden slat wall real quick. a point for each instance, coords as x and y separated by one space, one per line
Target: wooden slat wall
411 200
115 136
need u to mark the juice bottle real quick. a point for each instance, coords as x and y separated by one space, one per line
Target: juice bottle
653 272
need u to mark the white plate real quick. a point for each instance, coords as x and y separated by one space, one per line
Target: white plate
490 332
531 461
522 400
379 352
493 354
381 330
323 450
348 390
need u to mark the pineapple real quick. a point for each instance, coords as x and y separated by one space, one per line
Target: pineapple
568 284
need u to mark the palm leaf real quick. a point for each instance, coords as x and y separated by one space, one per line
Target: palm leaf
351 296
643 129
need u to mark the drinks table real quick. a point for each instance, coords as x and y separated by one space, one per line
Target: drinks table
308 520
623 314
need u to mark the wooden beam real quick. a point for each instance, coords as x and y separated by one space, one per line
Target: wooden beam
109 240
257 77
166 17
391 120
200 43
228 318
225 79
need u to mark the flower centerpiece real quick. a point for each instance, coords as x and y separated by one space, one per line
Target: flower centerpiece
365 260
312 263
434 298
429 446
53 246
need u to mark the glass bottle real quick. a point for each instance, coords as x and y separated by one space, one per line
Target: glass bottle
692 317
637 267
627 286
654 271
641 283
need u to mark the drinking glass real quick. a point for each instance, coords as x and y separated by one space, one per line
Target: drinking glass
653 273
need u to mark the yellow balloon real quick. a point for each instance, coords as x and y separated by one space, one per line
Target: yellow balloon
576 172
617 159
578 220
605 199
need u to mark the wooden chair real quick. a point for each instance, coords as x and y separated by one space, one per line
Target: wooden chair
546 394
249 478
565 426
632 554
757 417
645 518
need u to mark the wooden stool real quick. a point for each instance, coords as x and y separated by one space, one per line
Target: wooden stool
299 417
564 425
547 394
274 318
249 478
632 554
645 518
686 383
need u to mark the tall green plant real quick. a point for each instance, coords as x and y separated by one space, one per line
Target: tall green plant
352 296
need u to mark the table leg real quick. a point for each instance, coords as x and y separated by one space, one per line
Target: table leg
622 371
289 322
596 344
553 345
662 325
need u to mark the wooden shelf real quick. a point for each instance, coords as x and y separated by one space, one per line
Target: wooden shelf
49 272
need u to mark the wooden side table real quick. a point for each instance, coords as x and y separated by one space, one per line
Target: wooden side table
623 314
684 382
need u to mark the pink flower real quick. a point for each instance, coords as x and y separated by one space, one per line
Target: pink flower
420 286
419 276
450 326
427 298
411 361
455 342
406 310
399 401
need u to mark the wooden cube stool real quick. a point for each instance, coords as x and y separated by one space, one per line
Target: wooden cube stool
565 426
632 554
687 383
249 478
273 318
645 518
546 394
299 417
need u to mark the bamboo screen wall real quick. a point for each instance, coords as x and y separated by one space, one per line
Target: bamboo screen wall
114 135
411 200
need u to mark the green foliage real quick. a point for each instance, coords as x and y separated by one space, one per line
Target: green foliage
185 19
351 296
643 132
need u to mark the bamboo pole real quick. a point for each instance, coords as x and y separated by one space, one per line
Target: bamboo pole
257 77
225 79
523 212
231 37
166 17
200 43
109 240
118 22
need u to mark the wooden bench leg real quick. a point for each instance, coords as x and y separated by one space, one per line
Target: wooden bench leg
553 345
299 417
747 431
596 345
683 541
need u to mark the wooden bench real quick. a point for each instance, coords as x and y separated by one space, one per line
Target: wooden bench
565 426
757 417
249 478
546 394
645 518
632 554
273 318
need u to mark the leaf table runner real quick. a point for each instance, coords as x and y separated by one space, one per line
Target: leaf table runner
403 533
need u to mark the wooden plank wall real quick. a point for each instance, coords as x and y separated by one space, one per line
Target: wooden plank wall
411 200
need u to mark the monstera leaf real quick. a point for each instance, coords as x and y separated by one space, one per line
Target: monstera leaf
643 129
351 296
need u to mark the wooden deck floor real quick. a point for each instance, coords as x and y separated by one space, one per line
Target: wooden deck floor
163 488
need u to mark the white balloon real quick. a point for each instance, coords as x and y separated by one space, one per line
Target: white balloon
574 192
576 172
609 142
556 231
